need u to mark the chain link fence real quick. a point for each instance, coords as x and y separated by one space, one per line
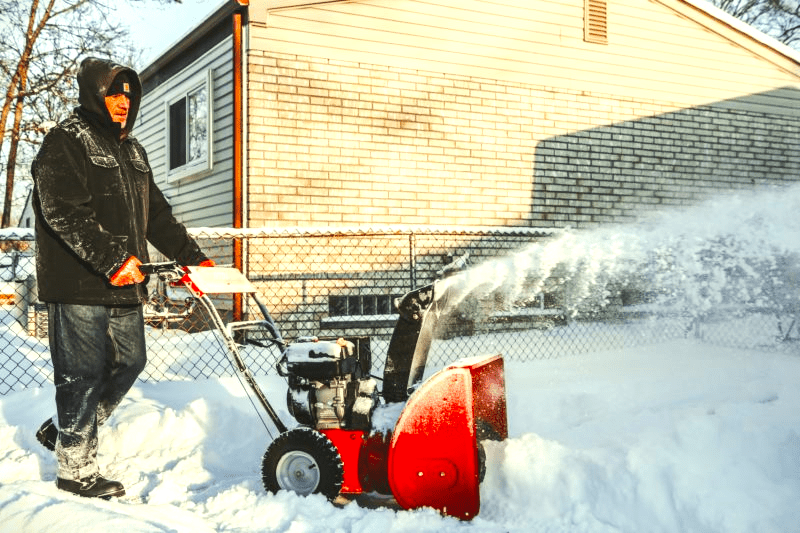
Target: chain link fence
343 283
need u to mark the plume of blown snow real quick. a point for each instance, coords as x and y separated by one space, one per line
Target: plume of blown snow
741 248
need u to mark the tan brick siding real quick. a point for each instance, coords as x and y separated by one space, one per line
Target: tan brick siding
340 143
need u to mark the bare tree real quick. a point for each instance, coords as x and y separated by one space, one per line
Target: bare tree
41 47
779 19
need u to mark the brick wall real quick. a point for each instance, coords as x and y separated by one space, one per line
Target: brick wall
618 172
337 143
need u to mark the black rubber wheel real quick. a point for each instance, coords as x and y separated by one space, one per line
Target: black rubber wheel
304 461
481 462
485 431
299 407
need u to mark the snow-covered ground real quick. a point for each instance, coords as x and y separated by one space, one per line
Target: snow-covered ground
678 437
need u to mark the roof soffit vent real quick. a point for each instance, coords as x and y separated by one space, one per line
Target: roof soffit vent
595 21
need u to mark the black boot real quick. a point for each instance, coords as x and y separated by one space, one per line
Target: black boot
48 434
92 487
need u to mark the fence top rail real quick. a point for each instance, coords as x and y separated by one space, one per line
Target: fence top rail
295 231
17 234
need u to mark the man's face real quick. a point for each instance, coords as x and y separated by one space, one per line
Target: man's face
118 105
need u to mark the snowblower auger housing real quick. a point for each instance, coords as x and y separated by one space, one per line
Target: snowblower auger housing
435 459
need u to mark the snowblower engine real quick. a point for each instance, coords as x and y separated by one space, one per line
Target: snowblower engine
329 383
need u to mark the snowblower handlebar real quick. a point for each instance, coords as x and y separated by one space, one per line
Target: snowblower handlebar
229 281
168 270
202 281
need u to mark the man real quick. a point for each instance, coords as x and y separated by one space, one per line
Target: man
96 207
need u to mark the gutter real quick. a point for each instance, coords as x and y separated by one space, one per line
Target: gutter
238 142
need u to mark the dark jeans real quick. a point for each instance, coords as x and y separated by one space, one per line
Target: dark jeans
97 351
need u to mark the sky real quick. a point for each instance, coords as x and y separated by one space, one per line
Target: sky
155 27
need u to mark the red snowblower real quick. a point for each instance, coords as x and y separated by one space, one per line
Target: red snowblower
348 439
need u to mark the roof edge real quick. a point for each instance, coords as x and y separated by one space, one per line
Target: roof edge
229 7
185 41
745 28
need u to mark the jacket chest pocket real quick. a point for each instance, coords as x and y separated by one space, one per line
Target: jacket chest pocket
110 177
139 174
140 165
103 161
105 178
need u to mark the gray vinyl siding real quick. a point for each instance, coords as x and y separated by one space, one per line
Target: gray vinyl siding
207 199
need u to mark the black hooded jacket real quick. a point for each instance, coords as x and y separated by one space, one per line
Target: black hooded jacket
96 202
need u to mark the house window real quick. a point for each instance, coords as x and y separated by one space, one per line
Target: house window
188 127
360 305
595 21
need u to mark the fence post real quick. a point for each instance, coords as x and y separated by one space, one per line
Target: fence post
238 262
412 259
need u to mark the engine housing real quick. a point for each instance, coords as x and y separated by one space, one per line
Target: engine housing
329 382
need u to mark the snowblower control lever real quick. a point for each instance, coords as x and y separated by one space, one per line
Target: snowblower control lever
168 271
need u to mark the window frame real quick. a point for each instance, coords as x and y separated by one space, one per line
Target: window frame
204 165
356 305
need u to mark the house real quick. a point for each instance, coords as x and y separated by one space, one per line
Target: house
310 113
26 218
464 113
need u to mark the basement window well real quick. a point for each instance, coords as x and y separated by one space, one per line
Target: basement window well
360 305
360 311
